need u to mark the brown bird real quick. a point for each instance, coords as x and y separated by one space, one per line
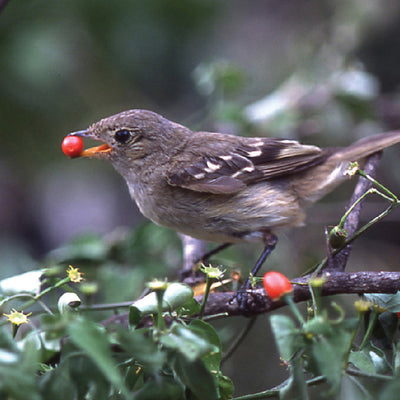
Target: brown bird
219 187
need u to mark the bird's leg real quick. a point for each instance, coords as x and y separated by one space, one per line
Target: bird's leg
270 241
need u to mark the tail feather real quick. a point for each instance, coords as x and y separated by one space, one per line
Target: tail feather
320 180
367 146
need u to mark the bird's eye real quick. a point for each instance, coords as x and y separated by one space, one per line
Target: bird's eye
122 136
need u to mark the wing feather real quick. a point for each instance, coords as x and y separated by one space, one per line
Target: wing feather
229 169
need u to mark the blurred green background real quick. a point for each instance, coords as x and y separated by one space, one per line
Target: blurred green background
322 72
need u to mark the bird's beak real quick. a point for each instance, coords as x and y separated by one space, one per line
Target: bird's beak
91 151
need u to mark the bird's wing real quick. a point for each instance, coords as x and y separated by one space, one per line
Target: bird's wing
229 169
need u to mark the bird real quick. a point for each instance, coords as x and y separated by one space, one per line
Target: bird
220 187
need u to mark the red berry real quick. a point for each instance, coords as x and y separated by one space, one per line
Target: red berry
276 285
72 146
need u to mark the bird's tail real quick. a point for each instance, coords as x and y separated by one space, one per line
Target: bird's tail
367 146
331 172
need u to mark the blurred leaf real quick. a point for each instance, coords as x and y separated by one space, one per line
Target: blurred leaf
57 384
361 361
218 75
209 334
87 377
318 326
189 308
85 247
160 388
327 362
135 316
176 295
225 386
288 337
18 369
28 282
325 354
89 337
187 342
396 359
378 358
140 346
391 302
196 377
296 387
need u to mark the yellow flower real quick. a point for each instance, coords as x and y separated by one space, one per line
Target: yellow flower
74 274
158 285
212 272
17 317
362 306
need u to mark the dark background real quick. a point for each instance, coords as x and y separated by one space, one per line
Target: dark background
323 72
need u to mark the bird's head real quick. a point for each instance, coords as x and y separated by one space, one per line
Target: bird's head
129 136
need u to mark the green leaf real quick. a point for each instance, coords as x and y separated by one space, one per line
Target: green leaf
85 247
212 360
187 342
225 386
92 339
361 361
176 295
327 353
139 345
318 326
160 388
288 338
208 333
378 358
391 302
56 384
134 316
396 359
190 307
195 376
18 369
296 387
327 362
28 282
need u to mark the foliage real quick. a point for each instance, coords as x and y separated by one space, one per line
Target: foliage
54 343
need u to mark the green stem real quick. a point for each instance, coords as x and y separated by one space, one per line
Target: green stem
289 301
351 208
379 185
357 372
274 392
358 233
160 319
315 297
371 325
209 282
353 335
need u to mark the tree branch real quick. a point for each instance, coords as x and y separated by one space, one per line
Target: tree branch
336 283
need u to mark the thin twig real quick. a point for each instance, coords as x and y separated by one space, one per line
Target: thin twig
239 339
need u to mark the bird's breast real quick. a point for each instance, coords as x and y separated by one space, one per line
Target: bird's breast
220 218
